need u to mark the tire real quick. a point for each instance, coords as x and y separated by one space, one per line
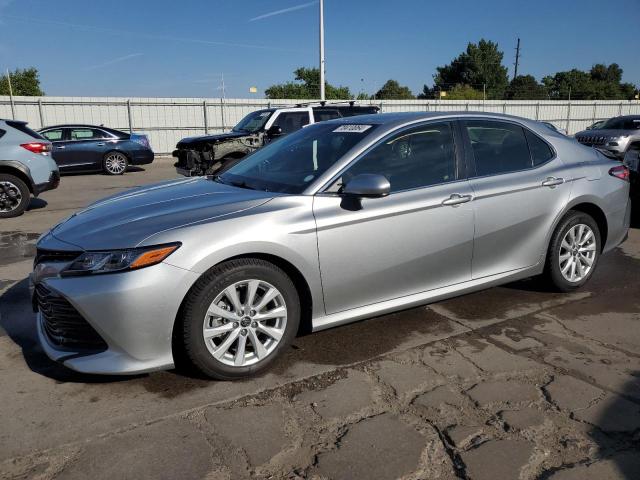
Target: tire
115 163
218 355
14 196
560 262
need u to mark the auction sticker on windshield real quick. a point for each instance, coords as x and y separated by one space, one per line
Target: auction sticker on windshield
353 128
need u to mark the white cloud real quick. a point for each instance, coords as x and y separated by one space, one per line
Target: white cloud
284 10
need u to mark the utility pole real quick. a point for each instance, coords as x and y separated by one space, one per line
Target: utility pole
13 107
515 71
322 50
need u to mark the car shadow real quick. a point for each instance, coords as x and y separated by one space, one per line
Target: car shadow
18 322
37 204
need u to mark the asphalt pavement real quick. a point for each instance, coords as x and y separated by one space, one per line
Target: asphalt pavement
512 382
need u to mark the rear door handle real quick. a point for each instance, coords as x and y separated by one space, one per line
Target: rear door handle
552 182
101 144
61 147
456 199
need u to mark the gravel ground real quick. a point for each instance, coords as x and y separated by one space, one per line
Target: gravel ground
513 382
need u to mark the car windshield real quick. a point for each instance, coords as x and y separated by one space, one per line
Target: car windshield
290 164
253 122
621 123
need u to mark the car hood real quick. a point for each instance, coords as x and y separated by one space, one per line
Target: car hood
191 141
127 219
605 133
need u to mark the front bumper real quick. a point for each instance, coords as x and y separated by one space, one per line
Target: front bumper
51 184
133 312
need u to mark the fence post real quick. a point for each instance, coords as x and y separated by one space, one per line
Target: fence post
620 109
380 106
593 120
40 112
222 112
537 111
568 115
129 115
504 107
206 120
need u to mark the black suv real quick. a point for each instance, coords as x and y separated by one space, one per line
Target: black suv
208 154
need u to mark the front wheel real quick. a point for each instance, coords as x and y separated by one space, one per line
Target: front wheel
14 196
238 318
115 163
573 252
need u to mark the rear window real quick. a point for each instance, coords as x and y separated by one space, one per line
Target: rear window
22 127
540 151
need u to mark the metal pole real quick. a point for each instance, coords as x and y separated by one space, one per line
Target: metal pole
222 112
13 107
41 113
322 50
129 116
206 120
595 105
569 113
538 111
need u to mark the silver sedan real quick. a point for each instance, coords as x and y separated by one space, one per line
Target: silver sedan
341 221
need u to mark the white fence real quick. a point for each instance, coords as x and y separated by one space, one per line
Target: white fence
167 120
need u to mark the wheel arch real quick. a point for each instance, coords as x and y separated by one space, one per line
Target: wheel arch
589 206
21 173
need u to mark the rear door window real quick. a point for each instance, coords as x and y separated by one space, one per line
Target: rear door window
541 152
498 147
87 134
291 122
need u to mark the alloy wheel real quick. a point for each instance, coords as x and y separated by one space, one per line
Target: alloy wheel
10 196
115 163
245 323
577 253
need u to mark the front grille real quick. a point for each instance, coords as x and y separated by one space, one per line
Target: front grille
43 255
63 324
592 139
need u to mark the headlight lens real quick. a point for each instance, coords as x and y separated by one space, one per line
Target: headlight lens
119 260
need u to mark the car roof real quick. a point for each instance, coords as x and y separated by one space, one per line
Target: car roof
84 125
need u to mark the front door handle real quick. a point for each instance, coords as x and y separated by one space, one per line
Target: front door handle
456 199
101 144
61 147
552 182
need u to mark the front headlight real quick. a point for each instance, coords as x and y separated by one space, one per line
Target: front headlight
119 260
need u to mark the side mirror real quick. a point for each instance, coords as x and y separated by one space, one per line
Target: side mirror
274 131
367 185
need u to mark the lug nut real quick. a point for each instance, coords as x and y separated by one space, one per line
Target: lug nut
252 313
243 331
235 324
254 324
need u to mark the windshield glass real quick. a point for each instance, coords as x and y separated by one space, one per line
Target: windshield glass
290 164
253 122
621 123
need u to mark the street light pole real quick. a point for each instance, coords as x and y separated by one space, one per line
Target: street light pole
322 50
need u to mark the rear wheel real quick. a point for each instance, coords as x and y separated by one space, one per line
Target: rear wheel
115 163
574 252
238 318
14 196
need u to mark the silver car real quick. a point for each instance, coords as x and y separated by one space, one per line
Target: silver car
340 221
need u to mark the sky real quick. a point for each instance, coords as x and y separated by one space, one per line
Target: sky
151 48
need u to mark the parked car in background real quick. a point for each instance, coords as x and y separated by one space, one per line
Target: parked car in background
596 125
26 167
206 155
632 161
340 221
91 148
615 136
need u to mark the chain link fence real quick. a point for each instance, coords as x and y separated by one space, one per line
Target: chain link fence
167 120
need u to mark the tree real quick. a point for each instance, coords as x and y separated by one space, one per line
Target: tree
463 92
307 86
480 64
526 87
23 82
602 82
392 90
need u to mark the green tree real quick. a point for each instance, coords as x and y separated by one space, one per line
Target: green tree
602 82
480 64
463 92
23 82
392 90
526 87
307 86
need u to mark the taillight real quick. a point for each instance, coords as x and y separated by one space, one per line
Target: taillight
140 139
621 172
37 147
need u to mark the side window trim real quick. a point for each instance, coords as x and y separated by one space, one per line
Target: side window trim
470 157
461 173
